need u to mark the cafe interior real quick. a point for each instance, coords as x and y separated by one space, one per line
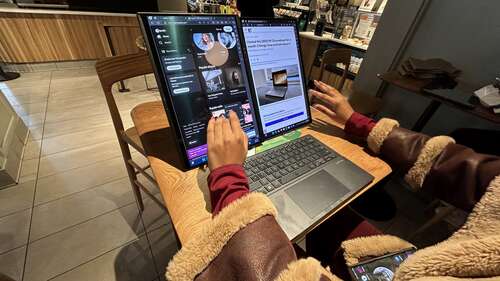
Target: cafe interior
367 146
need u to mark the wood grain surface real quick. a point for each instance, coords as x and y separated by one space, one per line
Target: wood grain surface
32 38
186 193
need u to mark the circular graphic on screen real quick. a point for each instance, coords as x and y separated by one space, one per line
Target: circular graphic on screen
383 273
204 41
218 55
227 39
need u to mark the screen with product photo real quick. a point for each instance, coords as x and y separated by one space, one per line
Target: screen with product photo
274 58
203 65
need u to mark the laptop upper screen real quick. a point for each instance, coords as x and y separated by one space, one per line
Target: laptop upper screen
274 56
200 59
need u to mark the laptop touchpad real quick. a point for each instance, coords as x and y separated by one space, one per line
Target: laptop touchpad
317 192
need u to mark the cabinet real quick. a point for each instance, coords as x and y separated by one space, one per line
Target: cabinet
41 37
13 136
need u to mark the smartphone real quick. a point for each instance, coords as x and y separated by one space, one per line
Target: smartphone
380 268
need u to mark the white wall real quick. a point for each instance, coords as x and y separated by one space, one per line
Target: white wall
464 32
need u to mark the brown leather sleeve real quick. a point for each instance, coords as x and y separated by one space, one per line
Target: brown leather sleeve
460 176
260 251
402 147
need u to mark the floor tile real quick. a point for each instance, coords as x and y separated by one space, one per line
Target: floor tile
74 83
38 67
153 215
26 95
74 97
37 91
63 161
29 167
70 74
16 198
30 108
32 149
14 230
79 207
164 247
70 248
33 119
27 178
35 79
78 139
36 132
94 121
88 111
75 113
88 65
132 262
68 102
70 126
12 263
75 180
65 65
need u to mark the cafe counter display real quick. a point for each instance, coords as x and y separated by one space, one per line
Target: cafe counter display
35 35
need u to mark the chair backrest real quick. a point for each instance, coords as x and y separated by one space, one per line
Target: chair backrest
118 68
333 56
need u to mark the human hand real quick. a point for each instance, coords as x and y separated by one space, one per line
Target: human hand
334 104
227 143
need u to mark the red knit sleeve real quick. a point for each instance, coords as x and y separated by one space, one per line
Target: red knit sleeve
359 125
226 184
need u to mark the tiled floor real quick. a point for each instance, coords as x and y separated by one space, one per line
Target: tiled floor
73 216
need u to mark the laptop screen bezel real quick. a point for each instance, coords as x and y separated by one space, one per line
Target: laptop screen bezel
295 126
165 91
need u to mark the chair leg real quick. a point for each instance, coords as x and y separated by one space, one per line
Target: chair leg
137 190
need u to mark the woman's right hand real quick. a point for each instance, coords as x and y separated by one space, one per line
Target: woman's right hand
227 142
333 103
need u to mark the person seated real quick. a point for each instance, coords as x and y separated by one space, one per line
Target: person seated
244 241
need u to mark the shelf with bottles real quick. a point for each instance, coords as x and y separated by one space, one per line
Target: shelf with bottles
357 57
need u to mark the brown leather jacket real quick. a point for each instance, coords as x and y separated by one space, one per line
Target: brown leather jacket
244 241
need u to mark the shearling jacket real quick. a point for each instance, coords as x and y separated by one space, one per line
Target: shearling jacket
244 241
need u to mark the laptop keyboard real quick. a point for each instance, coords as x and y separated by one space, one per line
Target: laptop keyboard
270 170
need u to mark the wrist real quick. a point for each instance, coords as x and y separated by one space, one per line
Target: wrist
348 116
223 167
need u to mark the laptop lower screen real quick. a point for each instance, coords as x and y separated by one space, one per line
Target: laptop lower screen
274 57
201 62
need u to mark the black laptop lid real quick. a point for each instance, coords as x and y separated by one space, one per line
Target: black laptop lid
201 71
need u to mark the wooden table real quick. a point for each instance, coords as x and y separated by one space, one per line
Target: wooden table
417 86
186 193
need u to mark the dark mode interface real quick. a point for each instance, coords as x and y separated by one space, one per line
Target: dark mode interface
203 65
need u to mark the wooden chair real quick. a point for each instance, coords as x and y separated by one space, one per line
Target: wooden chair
110 71
362 103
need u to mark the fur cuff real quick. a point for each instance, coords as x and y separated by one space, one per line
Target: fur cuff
372 246
471 252
379 133
198 252
432 149
306 270
466 259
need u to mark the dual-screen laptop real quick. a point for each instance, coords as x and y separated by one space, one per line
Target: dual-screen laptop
207 65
